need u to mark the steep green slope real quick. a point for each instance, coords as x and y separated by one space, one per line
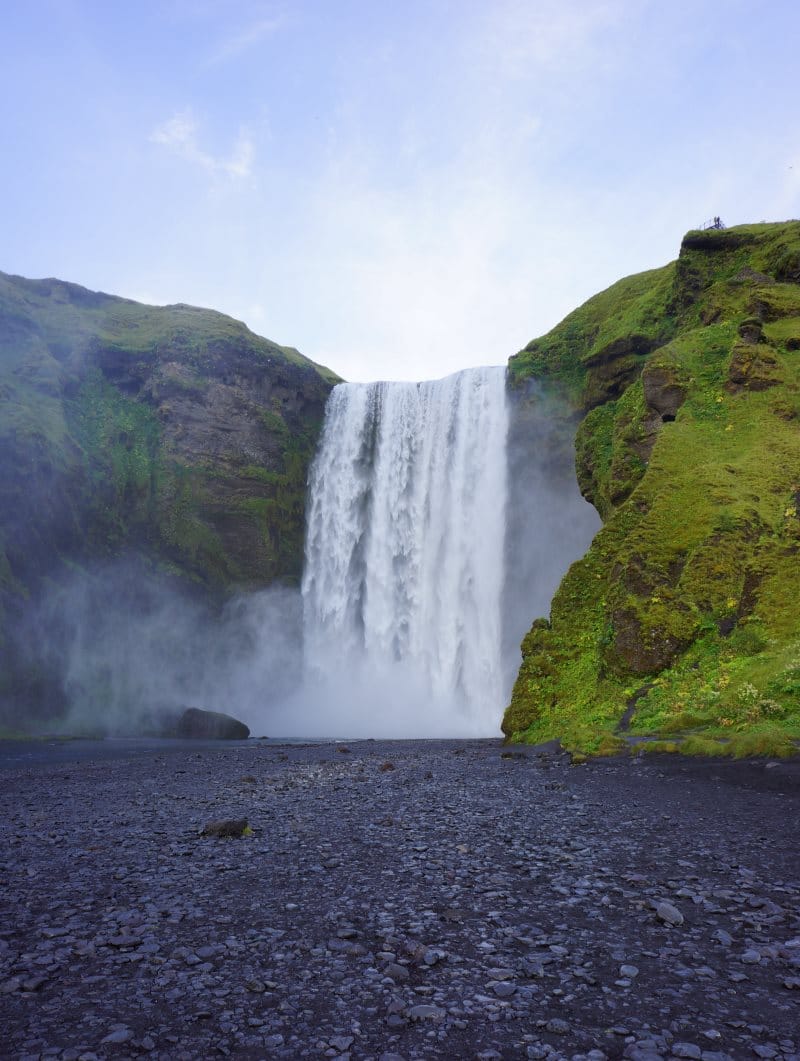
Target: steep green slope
174 432
686 609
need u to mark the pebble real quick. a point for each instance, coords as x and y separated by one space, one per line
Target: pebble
496 917
426 1013
121 1035
668 913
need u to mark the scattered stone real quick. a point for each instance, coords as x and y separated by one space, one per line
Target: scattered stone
427 1013
557 1026
33 983
121 1035
668 913
686 1050
124 939
427 914
226 827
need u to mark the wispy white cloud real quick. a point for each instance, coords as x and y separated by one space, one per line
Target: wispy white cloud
432 222
524 40
179 134
247 37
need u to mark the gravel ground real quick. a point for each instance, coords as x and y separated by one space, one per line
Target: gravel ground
413 899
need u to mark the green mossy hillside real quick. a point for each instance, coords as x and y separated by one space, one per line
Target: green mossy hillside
684 616
172 432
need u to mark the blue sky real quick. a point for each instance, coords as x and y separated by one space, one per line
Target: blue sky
399 190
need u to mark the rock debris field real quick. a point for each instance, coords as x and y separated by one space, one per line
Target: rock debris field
410 899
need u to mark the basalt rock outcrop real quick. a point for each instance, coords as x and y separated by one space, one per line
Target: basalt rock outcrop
686 381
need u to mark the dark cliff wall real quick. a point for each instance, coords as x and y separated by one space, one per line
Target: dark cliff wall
174 433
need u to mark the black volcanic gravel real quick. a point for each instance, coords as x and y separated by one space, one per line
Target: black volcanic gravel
410 899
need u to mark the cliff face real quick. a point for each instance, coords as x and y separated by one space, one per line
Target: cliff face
174 432
685 613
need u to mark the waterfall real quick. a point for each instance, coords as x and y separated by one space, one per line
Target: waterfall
405 554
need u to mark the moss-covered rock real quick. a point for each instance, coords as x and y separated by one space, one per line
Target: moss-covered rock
689 594
172 431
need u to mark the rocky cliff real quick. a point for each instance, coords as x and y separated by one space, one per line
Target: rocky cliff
684 616
173 432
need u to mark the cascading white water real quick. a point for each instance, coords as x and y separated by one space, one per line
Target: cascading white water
405 551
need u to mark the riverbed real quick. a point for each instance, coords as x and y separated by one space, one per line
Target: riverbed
405 899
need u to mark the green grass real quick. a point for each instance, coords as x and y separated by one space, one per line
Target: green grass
637 305
109 444
692 585
69 320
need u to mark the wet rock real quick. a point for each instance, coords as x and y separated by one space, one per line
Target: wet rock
197 724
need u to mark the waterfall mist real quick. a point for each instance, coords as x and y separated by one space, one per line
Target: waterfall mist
548 524
441 517
127 650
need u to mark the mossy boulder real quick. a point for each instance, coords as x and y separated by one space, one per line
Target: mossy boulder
689 593
753 366
664 390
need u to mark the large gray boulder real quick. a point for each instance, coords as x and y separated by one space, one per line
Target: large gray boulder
198 724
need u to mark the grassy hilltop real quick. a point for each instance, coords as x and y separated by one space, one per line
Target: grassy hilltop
171 432
684 616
